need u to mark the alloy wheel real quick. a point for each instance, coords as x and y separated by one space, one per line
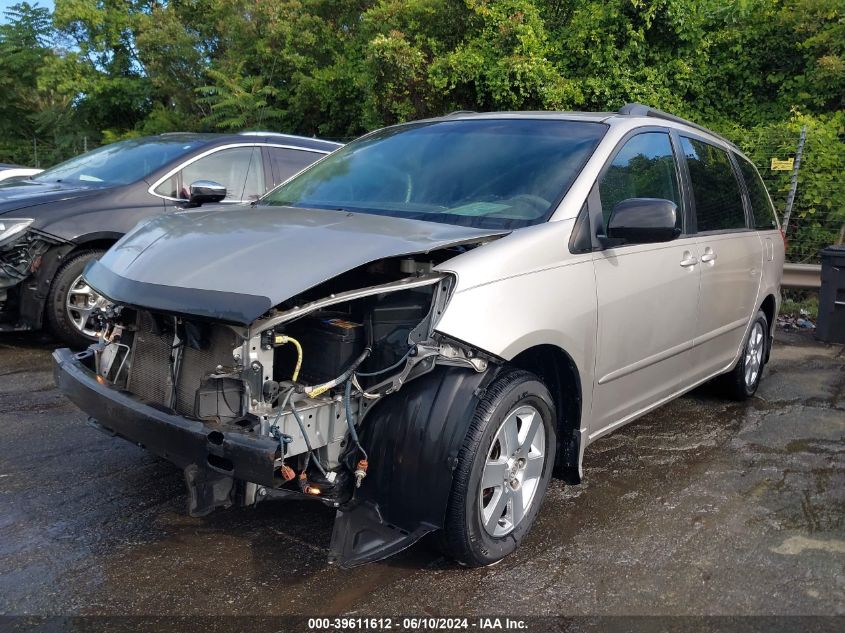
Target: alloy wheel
754 354
512 471
80 303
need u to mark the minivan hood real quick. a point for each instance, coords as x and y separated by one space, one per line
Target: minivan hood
235 263
31 193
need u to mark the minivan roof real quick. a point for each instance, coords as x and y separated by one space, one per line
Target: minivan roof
626 112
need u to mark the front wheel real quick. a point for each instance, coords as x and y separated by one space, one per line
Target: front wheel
71 302
503 470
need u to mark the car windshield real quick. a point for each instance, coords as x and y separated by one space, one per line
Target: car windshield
487 173
119 163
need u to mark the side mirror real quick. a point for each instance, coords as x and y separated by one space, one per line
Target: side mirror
643 220
202 191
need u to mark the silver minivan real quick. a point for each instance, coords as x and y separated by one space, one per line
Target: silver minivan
425 326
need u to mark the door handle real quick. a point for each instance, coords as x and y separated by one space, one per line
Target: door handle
708 257
689 260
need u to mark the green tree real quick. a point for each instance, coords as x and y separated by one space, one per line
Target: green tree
104 69
24 50
112 88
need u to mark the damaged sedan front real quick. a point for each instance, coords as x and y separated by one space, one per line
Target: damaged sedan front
294 349
22 252
19 253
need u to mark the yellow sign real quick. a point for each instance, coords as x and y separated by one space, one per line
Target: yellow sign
782 165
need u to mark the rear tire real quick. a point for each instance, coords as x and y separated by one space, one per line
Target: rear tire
511 446
742 381
67 305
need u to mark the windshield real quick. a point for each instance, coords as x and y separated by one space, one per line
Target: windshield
119 163
486 173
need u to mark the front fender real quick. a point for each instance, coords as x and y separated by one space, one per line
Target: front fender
413 438
36 288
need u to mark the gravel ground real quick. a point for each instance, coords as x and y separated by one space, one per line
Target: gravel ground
702 507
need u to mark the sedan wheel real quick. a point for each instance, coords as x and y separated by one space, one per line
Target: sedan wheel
503 469
80 303
72 302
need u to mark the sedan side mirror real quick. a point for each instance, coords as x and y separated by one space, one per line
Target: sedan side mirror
202 191
644 220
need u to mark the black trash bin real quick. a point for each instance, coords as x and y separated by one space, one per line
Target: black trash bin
830 327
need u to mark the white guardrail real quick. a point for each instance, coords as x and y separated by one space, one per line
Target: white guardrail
802 276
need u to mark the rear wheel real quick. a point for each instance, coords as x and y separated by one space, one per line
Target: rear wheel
742 381
503 470
72 301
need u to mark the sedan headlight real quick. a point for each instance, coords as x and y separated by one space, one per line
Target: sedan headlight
11 229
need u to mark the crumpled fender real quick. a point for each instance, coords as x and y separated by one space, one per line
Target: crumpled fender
413 438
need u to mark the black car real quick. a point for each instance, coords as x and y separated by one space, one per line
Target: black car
54 223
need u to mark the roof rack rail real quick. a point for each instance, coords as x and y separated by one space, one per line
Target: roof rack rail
639 109
459 112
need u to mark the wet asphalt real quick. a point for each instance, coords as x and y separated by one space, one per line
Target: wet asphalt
702 507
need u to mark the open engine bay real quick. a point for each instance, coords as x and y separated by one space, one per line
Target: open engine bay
305 375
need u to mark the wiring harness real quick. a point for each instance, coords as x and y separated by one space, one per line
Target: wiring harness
349 378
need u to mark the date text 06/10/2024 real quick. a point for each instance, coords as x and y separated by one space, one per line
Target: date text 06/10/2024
412 624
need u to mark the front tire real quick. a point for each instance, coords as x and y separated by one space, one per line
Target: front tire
503 470
71 302
742 381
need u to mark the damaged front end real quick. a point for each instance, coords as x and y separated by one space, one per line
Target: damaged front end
344 394
21 254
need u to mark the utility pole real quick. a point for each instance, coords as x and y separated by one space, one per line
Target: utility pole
84 144
35 152
793 185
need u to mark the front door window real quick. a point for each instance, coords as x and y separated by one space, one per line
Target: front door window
643 168
239 169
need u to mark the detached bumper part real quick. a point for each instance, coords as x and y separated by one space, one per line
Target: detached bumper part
361 535
212 459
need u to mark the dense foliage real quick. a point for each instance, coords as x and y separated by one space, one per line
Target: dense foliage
97 70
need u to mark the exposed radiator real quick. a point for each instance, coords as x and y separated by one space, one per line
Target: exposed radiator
149 375
197 363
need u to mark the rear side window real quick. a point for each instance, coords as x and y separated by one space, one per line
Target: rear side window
643 168
761 205
718 202
287 162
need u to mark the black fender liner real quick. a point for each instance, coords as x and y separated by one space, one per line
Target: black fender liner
413 438
36 288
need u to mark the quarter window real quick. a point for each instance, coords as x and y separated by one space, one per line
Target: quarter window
643 168
239 169
761 205
718 203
